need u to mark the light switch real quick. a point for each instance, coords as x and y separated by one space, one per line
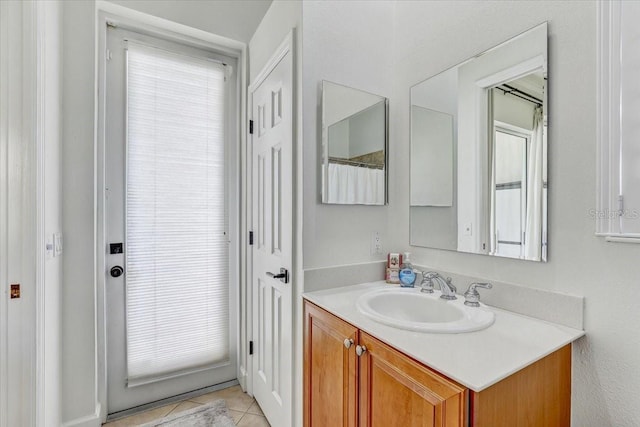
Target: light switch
57 244
48 246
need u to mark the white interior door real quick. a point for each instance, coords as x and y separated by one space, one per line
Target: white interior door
272 168
171 293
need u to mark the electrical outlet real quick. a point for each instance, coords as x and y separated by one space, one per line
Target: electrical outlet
376 243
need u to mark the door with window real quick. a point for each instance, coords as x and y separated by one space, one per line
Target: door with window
170 276
511 147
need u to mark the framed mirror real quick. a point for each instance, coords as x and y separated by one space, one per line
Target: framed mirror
478 177
354 146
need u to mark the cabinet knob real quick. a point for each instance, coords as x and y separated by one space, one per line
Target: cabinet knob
360 349
348 342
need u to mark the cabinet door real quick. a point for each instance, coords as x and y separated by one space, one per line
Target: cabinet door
397 391
330 370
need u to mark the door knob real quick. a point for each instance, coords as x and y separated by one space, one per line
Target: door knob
360 350
348 342
116 271
283 275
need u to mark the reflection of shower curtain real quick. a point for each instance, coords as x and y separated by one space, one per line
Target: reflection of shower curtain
355 185
533 224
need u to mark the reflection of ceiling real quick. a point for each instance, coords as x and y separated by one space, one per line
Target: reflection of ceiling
531 84
341 102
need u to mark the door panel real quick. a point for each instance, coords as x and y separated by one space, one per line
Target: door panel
272 220
123 393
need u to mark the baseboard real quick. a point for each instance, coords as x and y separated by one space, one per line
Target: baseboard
242 378
92 420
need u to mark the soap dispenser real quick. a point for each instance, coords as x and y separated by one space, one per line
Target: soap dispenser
407 275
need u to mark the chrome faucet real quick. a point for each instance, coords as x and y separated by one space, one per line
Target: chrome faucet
446 287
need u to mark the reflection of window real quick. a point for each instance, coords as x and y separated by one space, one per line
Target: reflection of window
511 147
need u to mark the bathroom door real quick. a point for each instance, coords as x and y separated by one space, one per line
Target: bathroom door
170 301
272 218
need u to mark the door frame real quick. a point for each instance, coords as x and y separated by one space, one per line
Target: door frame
287 46
107 13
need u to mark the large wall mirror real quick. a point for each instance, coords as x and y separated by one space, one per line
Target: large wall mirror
479 153
354 146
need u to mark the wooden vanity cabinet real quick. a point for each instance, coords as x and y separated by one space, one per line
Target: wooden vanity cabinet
380 388
538 395
384 387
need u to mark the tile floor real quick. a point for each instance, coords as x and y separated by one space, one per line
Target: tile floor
243 409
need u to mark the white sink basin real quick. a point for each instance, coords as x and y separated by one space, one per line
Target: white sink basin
410 309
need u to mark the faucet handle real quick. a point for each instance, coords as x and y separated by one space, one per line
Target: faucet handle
472 296
426 285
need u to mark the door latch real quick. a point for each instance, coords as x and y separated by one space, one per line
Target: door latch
283 276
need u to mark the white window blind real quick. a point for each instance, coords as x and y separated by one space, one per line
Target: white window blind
177 281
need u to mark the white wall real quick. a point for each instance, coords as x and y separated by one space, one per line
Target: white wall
281 17
78 296
367 132
344 102
513 110
349 43
338 135
432 36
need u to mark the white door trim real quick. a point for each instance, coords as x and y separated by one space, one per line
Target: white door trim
285 47
110 12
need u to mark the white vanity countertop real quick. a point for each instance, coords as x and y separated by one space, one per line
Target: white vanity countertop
476 360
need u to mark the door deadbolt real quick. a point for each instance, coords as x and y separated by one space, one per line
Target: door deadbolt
116 271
